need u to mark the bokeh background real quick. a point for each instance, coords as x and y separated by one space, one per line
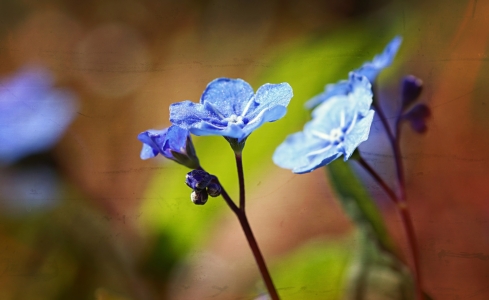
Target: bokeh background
87 219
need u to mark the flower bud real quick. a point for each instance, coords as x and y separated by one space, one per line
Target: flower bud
199 197
198 179
411 89
417 117
214 189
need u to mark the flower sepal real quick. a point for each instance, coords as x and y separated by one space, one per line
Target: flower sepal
189 161
236 145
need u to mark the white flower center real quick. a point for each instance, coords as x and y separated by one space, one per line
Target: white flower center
234 119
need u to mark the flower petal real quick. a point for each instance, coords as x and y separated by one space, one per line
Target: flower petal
176 139
358 134
153 141
267 97
292 153
230 95
380 61
186 114
340 88
267 115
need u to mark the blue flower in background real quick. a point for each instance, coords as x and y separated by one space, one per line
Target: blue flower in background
173 143
383 60
369 69
355 86
229 107
33 114
338 126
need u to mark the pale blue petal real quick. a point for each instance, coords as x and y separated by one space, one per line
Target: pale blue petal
380 61
358 134
292 153
361 92
187 114
328 115
342 87
230 95
206 129
176 139
153 141
268 115
267 97
148 152
295 153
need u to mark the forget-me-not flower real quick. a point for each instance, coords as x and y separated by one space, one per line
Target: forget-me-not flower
381 61
230 108
33 114
173 143
338 126
369 69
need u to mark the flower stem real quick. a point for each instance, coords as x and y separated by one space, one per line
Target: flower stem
243 220
400 201
240 212
239 166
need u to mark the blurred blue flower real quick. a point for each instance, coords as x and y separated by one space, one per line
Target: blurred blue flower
229 107
338 126
355 86
33 114
369 69
383 60
173 143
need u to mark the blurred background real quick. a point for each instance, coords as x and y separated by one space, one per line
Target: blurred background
83 217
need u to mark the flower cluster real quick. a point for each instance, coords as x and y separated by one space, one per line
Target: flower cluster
203 185
33 114
228 107
340 122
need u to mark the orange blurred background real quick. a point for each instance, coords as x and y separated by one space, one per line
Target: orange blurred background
128 60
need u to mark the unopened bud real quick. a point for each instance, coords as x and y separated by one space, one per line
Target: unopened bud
199 197
411 89
198 179
417 117
214 189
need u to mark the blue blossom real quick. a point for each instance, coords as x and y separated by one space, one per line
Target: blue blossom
338 126
383 60
230 108
173 143
355 86
33 114
369 69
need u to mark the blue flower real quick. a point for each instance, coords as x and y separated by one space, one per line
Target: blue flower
229 107
372 69
33 114
369 69
338 126
173 143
